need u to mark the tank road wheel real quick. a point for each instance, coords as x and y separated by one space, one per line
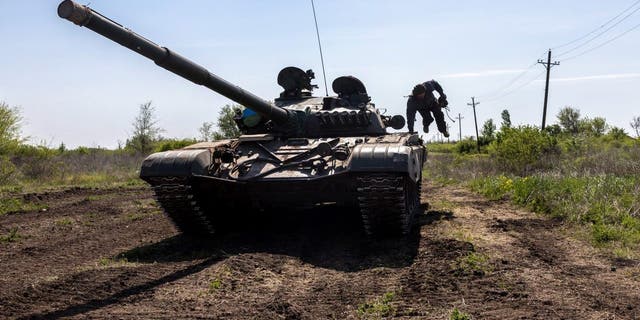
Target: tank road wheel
181 205
388 203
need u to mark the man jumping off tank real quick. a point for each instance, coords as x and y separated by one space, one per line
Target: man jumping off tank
423 101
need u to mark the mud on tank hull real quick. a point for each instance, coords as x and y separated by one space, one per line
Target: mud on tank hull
204 187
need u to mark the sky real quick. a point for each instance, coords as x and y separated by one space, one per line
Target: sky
75 87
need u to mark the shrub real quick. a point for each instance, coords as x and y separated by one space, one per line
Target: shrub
172 144
523 149
466 146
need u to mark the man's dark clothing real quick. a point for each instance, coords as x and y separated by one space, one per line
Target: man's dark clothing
425 106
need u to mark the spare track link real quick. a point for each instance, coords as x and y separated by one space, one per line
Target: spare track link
386 207
180 203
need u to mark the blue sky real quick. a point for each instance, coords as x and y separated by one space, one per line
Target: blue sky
76 87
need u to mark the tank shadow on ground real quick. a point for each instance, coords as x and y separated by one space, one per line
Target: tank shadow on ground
325 237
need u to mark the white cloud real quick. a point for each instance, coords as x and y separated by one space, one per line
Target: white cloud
486 73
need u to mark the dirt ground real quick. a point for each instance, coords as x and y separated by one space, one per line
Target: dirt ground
96 253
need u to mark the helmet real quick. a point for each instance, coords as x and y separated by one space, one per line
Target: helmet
419 89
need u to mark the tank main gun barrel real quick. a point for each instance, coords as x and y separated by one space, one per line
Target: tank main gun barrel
167 59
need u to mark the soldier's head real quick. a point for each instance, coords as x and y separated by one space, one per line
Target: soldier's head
419 91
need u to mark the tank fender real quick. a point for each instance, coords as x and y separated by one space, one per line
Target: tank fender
381 157
176 163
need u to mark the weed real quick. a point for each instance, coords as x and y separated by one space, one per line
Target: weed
135 216
473 263
64 222
11 205
214 285
380 307
105 262
456 314
13 236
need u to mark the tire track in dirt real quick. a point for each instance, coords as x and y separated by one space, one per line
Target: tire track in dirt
129 263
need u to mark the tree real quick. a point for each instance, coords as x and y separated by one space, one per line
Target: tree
569 119
10 125
635 125
488 130
206 131
617 133
145 130
506 119
596 126
226 124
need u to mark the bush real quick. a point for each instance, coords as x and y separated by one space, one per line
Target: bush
466 146
523 149
172 144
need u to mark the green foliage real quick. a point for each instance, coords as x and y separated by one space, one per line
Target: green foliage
12 204
523 149
7 170
617 133
215 285
467 146
13 236
10 125
607 205
458 315
506 120
379 308
595 127
473 263
226 123
145 130
206 132
488 131
172 144
441 147
569 119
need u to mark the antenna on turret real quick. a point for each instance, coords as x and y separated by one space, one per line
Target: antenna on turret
324 75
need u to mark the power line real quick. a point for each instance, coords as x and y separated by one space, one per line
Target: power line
511 82
599 34
517 88
598 28
602 44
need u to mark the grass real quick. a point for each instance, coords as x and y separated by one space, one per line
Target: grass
609 206
456 314
215 285
64 222
379 308
13 236
11 205
473 263
591 182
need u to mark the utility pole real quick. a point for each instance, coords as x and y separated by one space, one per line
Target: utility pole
547 65
448 127
475 119
460 127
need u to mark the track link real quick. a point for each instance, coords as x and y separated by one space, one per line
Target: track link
181 205
388 203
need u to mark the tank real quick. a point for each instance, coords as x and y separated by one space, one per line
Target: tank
299 151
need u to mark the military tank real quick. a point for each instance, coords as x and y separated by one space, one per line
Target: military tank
299 151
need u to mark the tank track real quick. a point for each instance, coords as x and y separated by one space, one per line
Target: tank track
181 205
388 203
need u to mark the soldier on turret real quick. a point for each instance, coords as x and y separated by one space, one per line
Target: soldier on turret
423 101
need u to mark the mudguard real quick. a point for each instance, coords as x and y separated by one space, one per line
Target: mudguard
388 157
176 163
